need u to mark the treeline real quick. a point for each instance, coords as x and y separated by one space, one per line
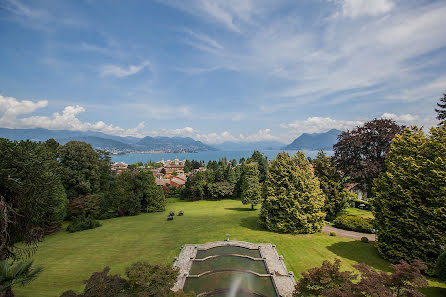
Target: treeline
228 180
42 184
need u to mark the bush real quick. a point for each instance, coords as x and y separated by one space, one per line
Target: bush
88 205
354 223
332 233
441 266
82 223
364 239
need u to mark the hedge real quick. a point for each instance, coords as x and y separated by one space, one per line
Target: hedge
354 223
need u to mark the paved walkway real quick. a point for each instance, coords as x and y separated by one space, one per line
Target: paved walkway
349 234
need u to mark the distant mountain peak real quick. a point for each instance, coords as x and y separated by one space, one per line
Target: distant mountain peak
315 141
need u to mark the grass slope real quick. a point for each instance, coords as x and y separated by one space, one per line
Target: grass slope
70 258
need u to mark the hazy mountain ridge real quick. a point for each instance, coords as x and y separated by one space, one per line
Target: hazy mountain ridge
315 141
108 142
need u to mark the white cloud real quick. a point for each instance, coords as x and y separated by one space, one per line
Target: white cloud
11 108
358 8
21 9
117 71
228 13
409 119
317 125
204 39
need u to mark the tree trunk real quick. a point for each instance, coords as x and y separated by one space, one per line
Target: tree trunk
7 293
252 206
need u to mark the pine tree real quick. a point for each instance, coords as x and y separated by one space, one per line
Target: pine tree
410 198
251 191
293 200
441 111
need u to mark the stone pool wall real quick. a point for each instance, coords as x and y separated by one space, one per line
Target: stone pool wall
283 280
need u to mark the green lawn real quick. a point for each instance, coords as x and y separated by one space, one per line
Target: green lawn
357 212
69 258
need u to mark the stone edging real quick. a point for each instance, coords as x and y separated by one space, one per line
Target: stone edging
283 280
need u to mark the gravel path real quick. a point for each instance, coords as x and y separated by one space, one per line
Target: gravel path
349 234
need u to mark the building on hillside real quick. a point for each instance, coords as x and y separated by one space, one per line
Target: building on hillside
118 167
173 162
360 194
173 168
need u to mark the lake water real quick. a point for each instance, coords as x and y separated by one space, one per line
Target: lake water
200 156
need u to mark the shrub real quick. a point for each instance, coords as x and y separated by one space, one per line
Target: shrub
441 266
332 233
354 223
364 239
80 223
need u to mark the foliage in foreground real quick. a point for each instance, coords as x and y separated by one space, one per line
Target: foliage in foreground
329 281
354 223
143 280
293 200
81 223
410 202
20 274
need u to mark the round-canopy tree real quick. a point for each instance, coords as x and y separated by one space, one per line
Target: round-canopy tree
293 200
360 153
410 198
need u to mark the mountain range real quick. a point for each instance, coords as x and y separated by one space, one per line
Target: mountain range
315 141
110 143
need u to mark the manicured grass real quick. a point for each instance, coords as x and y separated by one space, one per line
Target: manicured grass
352 211
70 258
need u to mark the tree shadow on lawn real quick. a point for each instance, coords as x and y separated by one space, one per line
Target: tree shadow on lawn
433 291
252 223
360 252
241 209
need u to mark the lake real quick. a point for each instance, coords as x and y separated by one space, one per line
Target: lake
131 158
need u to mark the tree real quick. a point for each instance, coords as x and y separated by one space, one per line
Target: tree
360 153
151 196
21 274
262 163
251 190
410 198
125 199
293 200
81 169
32 198
441 110
329 281
331 183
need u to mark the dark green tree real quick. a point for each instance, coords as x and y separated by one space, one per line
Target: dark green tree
293 201
262 163
151 196
441 110
360 153
440 269
81 169
331 183
410 198
32 198
251 190
126 200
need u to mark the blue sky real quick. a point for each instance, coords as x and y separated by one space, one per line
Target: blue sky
222 70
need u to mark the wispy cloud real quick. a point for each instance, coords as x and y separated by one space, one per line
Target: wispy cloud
117 71
358 8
